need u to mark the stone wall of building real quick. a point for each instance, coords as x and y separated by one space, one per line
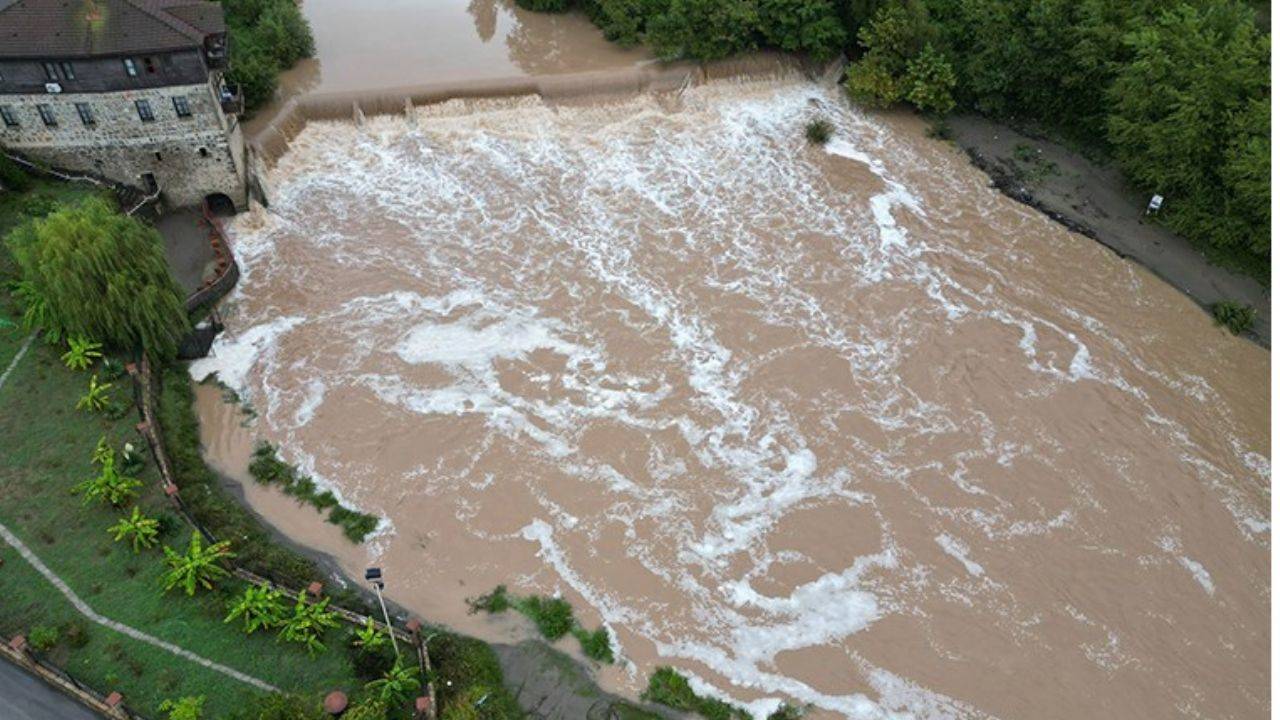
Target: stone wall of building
188 157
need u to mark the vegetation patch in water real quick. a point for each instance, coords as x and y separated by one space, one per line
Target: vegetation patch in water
268 469
1234 316
818 131
553 617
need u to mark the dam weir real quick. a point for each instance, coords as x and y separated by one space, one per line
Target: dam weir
829 425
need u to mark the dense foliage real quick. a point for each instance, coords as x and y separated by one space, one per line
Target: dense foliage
1178 93
267 37
89 271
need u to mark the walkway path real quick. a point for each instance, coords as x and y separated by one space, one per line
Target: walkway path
89 612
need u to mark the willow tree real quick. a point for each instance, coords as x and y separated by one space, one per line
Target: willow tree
101 275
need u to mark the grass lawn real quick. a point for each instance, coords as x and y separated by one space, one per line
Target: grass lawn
45 446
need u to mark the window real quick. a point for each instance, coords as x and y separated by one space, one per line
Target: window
181 107
159 157
149 63
50 71
130 68
10 120
86 113
204 152
144 110
68 72
46 114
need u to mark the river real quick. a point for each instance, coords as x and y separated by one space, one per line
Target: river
838 426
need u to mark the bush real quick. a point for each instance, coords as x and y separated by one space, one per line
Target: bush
1234 316
552 616
595 645
370 663
12 176
818 132
43 637
466 667
670 688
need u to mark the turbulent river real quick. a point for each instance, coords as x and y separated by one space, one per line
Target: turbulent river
835 426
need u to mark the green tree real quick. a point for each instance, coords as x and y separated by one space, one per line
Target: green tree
808 26
199 566
101 274
704 29
140 530
397 685
81 353
308 623
895 36
259 606
1185 119
109 485
624 21
929 82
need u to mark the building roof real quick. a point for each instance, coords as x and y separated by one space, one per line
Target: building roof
81 28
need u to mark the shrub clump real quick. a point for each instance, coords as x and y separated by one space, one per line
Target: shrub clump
670 688
467 668
268 469
819 131
1235 317
552 616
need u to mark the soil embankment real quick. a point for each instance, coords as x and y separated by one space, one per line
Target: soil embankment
1096 201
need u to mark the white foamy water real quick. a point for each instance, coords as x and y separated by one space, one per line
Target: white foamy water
841 428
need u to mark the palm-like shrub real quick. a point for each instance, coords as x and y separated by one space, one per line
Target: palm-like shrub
370 637
109 485
96 398
81 353
396 686
259 606
199 566
102 452
308 623
140 530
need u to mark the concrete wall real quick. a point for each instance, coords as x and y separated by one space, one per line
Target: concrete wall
119 145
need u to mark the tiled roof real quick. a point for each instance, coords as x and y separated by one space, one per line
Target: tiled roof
79 28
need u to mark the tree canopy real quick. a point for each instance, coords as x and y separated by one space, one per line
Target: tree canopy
102 275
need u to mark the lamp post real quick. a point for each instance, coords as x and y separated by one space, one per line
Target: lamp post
374 576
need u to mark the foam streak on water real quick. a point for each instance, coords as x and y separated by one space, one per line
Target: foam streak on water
841 428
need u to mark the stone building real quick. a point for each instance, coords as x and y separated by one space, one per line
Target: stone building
129 90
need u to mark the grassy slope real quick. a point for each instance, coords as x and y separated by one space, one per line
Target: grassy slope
44 451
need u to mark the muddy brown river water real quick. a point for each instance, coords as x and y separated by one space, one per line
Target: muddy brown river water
835 426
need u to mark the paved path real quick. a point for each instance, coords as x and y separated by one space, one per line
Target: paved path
25 697
87 611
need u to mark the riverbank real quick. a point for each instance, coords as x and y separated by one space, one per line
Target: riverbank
544 681
1094 200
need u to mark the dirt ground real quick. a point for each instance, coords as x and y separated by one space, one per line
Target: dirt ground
1097 201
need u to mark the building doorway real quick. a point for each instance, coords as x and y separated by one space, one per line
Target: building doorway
220 205
149 183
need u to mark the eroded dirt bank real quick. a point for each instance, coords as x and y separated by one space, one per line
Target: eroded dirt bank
840 426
